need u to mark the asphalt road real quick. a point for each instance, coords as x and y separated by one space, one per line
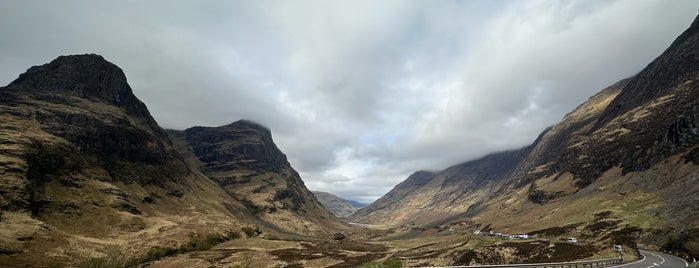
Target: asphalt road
653 259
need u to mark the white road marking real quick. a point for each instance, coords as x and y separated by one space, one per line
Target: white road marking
661 257
644 258
686 264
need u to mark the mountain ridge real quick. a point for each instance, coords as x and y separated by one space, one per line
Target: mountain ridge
635 140
242 158
338 206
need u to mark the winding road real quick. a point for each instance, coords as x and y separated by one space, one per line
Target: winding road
653 259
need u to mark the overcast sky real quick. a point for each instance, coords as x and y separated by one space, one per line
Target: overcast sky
358 94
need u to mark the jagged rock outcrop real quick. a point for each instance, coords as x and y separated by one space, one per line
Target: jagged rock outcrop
243 159
87 76
243 144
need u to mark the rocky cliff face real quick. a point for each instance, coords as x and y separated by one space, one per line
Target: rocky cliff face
75 114
677 65
338 206
103 107
240 145
630 151
243 159
86 76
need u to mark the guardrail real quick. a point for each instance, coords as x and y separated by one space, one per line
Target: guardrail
576 264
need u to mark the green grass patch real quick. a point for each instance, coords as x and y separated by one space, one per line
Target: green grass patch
637 217
115 258
389 263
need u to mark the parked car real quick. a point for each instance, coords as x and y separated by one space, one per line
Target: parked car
573 240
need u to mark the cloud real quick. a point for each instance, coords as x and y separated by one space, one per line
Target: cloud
358 94
538 61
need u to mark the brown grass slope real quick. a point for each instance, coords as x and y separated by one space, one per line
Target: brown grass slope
629 152
381 208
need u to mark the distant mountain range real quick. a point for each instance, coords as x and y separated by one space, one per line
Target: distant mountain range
356 204
620 168
342 208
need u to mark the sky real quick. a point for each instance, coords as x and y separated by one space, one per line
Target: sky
357 94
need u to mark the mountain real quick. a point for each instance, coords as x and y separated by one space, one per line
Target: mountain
622 167
338 206
84 169
356 204
84 164
242 158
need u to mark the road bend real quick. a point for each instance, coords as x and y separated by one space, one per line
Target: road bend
653 259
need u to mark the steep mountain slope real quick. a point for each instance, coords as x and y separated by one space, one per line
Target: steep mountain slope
629 153
84 165
338 206
428 196
242 158
84 170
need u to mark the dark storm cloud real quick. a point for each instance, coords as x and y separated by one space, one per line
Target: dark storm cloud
358 94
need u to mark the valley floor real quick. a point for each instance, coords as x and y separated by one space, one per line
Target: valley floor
411 245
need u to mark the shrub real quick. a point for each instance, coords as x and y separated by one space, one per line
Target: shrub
198 243
113 259
254 209
339 236
157 253
251 232
232 235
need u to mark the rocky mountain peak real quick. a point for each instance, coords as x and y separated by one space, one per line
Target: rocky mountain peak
243 142
87 76
86 101
243 159
252 125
